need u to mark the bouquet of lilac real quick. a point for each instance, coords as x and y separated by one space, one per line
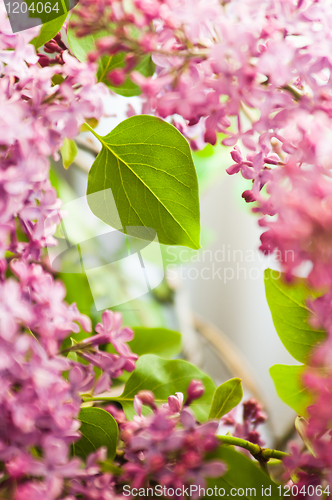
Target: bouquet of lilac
254 75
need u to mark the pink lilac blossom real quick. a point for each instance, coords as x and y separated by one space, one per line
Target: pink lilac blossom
38 406
168 447
36 117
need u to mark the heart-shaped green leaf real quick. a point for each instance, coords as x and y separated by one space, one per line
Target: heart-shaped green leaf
287 303
287 380
147 165
98 428
164 378
226 397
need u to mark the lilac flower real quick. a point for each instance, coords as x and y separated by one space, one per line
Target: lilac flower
245 424
168 447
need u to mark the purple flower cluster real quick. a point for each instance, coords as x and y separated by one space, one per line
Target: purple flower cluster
37 114
168 447
38 407
41 106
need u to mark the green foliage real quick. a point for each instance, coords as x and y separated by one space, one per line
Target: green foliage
287 303
128 88
287 380
226 397
68 152
81 47
78 291
48 31
164 378
147 164
98 429
242 473
160 341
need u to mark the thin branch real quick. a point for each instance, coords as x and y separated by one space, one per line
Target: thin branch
259 453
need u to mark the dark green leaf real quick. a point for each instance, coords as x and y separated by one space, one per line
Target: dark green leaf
287 303
242 473
287 380
48 31
164 378
147 164
98 429
160 341
68 152
226 397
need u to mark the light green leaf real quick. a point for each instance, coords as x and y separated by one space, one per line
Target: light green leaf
68 152
287 380
147 164
98 429
81 47
160 341
241 473
287 303
164 378
48 31
226 397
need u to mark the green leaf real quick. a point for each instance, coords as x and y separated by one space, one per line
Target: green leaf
160 341
164 378
81 47
98 429
287 303
226 397
147 164
287 380
48 31
241 473
128 89
68 152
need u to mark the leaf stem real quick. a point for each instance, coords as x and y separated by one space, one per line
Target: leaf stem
92 131
261 454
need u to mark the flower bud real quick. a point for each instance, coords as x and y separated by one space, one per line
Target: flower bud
147 398
117 77
195 391
175 402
